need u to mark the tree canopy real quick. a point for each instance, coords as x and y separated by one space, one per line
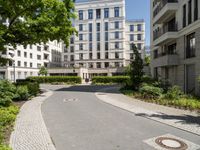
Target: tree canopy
43 71
35 21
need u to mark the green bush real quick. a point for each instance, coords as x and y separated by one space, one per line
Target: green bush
150 91
53 79
110 80
4 147
173 93
22 93
7 92
33 88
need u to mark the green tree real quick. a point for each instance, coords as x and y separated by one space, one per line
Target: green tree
35 21
136 69
43 71
147 60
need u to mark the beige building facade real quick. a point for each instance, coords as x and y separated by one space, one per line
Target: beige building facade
175 43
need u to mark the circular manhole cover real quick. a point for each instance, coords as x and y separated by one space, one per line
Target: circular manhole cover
171 143
70 100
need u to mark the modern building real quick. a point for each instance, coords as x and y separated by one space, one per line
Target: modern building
175 42
26 61
104 37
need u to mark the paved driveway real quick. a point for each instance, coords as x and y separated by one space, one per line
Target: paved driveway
78 120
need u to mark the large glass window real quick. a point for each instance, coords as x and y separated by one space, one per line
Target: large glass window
190 12
80 46
131 37
139 27
116 9
98 26
80 37
131 28
90 36
90 27
116 45
80 14
98 46
90 14
139 37
191 46
98 36
106 13
184 16
116 35
80 27
106 26
196 10
106 46
106 36
90 46
116 24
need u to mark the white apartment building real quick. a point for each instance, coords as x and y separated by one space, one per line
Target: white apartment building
104 37
175 42
26 61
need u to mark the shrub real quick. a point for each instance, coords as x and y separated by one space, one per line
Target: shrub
53 79
22 93
150 91
110 80
174 93
7 92
33 88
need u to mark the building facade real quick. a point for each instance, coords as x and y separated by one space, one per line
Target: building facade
104 37
175 42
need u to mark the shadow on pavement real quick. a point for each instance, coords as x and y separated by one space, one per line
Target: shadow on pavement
184 119
90 88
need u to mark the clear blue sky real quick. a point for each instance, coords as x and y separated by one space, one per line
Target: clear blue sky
138 9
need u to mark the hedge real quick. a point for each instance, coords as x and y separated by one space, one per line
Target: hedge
110 80
56 79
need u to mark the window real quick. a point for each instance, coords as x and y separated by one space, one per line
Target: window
139 37
80 27
189 12
90 27
116 9
98 56
131 28
31 65
71 40
98 65
106 26
65 58
71 49
98 47
116 24
39 57
80 15
19 53
90 46
116 45
106 55
90 37
116 35
98 36
106 13
98 13
106 36
80 37
116 55
31 46
196 10
131 56
19 63
25 64
139 46
90 55
71 57
106 46
38 48
106 64
139 27
25 54
98 26
81 56
31 55
191 46
90 14
80 46
184 16
131 37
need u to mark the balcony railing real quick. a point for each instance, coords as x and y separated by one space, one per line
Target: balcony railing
165 29
161 5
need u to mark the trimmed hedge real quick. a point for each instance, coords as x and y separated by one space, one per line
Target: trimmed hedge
53 79
110 80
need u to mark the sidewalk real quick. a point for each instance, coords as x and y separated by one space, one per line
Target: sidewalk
184 120
30 132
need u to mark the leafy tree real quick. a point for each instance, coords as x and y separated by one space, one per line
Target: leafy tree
35 21
136 69
147 60
43 71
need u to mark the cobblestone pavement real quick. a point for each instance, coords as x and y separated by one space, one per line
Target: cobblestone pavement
30 132
182 119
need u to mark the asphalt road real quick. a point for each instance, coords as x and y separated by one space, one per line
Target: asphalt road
77 120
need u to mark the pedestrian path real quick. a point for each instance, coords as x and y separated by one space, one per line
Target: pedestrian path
30 132
182 119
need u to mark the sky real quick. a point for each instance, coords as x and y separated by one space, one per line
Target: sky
138 9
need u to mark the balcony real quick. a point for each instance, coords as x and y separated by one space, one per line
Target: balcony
164 10
163 60
165 34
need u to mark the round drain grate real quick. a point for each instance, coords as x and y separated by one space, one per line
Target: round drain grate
171 143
